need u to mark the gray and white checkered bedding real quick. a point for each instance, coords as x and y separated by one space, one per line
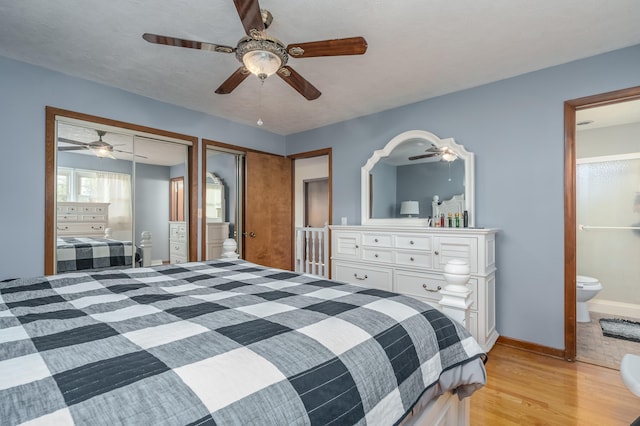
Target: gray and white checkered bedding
219 343
79 253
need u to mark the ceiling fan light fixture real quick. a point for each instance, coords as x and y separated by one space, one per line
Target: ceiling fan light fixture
449 156
103 152
262 58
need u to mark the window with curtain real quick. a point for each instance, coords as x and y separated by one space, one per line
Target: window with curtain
99 187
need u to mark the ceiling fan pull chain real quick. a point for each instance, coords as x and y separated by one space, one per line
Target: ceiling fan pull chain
260 122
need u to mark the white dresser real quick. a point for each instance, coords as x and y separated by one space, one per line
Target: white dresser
82 219
410 260
178 252
216 234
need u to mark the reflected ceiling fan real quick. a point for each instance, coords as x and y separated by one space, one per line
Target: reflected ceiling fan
445 153
100 148
263 55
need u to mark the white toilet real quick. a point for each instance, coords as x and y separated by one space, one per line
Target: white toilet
587 288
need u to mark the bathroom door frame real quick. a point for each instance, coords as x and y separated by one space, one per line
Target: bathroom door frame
570 249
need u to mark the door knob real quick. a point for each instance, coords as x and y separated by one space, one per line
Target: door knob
252 234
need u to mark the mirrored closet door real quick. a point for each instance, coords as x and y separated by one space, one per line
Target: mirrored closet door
117 195
222 198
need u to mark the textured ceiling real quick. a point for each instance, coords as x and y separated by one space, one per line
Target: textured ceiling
418 49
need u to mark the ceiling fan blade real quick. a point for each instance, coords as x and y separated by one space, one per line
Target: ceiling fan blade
251 17
71 148
298 82
129 152
72 142
418 157
233 81
191 44
337 47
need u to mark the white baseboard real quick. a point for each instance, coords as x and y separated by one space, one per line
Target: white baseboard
610 307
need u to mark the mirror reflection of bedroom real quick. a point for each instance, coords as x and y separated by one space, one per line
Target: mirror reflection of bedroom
121 198
223 183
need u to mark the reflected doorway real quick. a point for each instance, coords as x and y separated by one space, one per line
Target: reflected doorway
316 202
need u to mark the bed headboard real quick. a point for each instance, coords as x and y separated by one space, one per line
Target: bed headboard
453 206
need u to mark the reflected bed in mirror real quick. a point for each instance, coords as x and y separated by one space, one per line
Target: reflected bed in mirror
415 166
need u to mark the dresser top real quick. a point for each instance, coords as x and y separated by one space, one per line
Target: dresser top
415 229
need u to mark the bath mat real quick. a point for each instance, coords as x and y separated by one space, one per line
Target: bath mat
621 329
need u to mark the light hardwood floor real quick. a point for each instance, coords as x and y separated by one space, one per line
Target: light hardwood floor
530 389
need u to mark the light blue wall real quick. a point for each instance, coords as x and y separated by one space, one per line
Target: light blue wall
25 90
516 129
384 183
152 207
420 183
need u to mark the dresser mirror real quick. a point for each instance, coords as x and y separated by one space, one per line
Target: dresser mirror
215 199
400 181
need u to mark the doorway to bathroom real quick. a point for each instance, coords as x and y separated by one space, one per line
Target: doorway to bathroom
602 233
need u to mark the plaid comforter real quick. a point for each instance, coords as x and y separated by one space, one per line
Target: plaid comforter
220 343
79 253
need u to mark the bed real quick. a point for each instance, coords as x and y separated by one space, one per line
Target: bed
225 342
79 253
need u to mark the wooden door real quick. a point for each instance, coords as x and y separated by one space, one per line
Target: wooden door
268 218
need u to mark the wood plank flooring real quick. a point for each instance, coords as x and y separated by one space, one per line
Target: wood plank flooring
524 388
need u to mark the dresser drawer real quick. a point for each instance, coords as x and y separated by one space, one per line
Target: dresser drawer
67 218
374 255
368 276
423 286
176 247
178 259
178 231
79 229
93 218
377 240
414 242
68 209
416 259
88 209
427 286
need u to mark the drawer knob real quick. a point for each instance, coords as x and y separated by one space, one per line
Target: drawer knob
436 253
411 259
411 242
376 240
375 255
360 278
356 246
431 290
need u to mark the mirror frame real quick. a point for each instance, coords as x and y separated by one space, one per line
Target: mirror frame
428 137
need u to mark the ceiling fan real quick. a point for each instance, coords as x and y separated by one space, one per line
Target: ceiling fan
100 148
433 151
263 55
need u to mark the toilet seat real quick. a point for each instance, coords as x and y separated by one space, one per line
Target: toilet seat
583 281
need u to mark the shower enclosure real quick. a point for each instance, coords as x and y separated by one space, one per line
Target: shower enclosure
608 234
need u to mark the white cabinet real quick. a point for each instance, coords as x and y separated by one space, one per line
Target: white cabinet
178 248
216 234
411 260
76 219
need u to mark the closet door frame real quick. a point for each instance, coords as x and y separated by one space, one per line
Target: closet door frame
50 176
